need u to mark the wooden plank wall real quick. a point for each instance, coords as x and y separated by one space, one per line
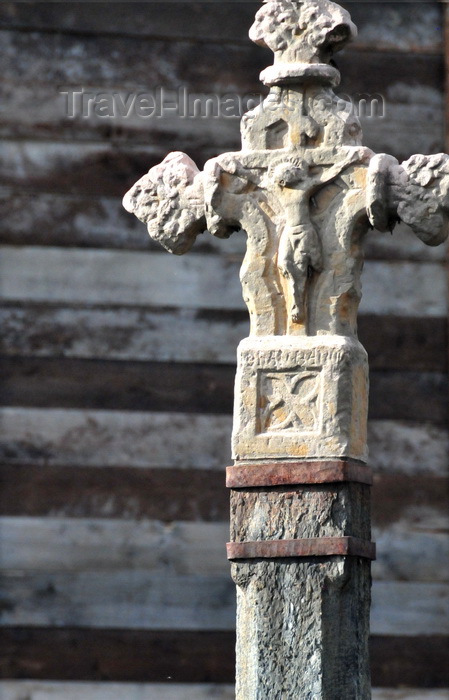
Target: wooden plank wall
118 361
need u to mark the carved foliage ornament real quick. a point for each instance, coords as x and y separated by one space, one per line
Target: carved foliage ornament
302 187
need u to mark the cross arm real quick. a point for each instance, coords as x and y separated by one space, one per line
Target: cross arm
169 199
178 202
415 192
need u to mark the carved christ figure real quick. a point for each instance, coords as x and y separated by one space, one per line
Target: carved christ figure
299 252
303 188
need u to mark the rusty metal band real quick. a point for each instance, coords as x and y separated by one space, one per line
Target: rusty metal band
295 473
311 547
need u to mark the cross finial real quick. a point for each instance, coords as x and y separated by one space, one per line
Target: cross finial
300 34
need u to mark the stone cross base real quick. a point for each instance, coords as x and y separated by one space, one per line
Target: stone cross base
300 519
300 397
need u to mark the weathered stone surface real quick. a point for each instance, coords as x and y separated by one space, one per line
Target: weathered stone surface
169 200
303 629
415 192
301 397
296 512
303 37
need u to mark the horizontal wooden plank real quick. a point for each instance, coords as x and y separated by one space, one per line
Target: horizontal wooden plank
64 220
402 245
127 655
146 334
427 71
409 608
86 438
86 168
130 386
415 548
42 330
122 655
101 222
119 277
409 396
414 509
396 28
35 690
194 388
112 438
393 26
120 492
412 555
414 449
411 120
395 342
135 599
174 20
60 59
414 663
404 289
41 690
146 547
157 279
403 132
419 501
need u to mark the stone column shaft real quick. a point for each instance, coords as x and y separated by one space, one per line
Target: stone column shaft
302 624
299 485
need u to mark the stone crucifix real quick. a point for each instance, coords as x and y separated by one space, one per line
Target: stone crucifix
306 192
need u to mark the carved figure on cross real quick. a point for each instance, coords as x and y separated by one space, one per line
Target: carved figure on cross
303 188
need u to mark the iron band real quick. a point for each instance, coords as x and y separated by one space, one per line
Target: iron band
310 547
253 475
